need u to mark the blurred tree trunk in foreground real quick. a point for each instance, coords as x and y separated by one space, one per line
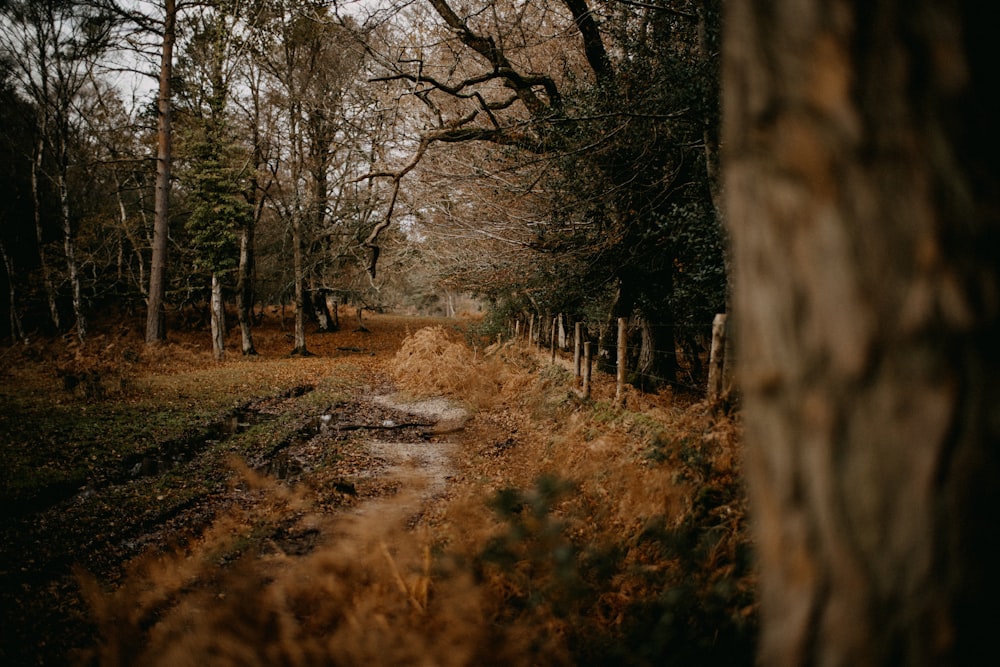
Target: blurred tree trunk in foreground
861 181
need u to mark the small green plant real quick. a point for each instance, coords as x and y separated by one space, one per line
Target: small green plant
534 553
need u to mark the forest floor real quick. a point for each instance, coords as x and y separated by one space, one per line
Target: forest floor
404 496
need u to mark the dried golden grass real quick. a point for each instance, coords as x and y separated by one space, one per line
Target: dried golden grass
370 595
432 363
637 481
374 593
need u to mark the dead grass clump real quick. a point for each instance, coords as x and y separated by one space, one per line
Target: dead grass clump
372 593
430 363
648 554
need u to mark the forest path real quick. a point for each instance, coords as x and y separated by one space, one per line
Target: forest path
416 469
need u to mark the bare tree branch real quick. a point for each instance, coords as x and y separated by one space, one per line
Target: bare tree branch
593 45
523 85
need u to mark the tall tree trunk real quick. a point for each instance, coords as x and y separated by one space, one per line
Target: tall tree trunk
299 296
69 250
156 326
256 196
862 162
36 197
244 287
217 314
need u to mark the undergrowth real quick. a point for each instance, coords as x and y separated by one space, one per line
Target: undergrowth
628 547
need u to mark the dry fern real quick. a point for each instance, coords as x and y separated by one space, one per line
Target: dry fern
429 363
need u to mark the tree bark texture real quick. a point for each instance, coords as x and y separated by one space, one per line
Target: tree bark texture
244 287
861 158
716 359
218 319
156 328
299 297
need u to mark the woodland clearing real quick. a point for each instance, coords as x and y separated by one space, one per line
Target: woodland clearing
404 496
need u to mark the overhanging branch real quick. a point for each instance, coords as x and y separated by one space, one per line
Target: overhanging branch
504 136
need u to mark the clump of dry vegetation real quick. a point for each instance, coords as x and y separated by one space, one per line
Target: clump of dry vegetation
361 597
430 362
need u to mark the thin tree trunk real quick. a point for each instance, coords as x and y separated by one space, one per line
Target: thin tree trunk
256 197
862 172
244 288
299 297
218 319
126 235
620 364
16 330
50 290
156 325
69 248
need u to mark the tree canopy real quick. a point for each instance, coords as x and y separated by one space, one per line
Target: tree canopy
546 157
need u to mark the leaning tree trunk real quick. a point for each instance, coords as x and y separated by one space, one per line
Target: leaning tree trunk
862 193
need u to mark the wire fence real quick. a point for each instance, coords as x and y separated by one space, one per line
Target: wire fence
689 365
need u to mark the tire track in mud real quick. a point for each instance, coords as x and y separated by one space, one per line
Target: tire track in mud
372 460
379 456
419 468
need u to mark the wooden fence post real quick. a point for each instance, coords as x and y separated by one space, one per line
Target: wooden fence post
717 358
531 330
620 388
552 343
586 369
577 340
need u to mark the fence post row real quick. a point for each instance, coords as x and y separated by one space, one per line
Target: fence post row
718 368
